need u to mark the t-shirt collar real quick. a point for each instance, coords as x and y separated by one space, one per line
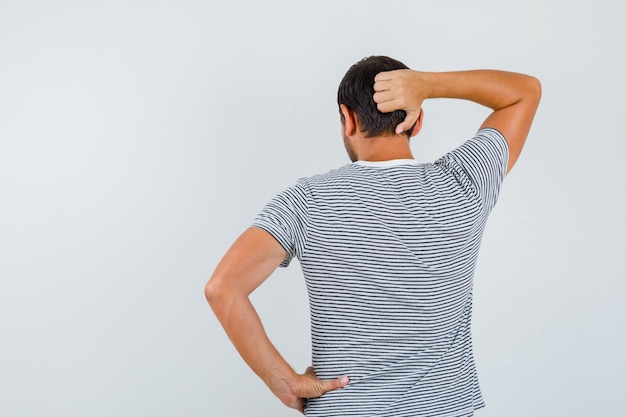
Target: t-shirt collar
389 163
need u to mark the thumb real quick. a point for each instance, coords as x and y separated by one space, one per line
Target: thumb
340 382
409 122
318 387
333 384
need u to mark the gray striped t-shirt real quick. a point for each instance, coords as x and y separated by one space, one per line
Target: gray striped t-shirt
388 252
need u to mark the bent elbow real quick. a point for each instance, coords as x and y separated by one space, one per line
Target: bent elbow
534 88
212 291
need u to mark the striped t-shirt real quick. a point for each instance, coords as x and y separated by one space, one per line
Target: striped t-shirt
388 252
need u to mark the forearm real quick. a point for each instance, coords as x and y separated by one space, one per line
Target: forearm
513 98
249 261
491 88
244 328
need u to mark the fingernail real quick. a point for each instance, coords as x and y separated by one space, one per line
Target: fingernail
344 380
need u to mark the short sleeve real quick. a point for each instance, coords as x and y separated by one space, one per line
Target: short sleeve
285 218
481 162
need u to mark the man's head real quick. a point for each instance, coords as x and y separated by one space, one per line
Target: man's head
356 92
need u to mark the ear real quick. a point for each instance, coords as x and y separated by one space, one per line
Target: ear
418 123
349 119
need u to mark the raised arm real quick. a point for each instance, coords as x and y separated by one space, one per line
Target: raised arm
250 261
513 97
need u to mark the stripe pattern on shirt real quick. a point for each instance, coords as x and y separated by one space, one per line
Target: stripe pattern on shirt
388 252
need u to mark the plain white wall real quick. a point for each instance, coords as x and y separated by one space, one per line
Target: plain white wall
139 138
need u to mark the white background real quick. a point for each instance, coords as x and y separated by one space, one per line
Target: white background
139 138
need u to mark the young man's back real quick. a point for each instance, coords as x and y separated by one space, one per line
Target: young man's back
388 251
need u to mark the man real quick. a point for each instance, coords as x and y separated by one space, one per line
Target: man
387 247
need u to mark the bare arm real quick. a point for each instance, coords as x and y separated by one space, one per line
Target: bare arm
250 261
513 97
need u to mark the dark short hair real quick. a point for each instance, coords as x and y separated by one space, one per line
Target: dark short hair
356 91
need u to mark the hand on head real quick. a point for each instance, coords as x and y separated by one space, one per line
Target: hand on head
400 90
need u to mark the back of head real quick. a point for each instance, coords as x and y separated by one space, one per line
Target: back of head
356 91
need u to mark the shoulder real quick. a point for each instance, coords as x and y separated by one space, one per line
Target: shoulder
331 177
303 190
479 164
487 147
493 139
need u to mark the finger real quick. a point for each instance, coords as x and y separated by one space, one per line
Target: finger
319 387
313 387
389 106
405 126
385 75
408 123
301 405
383 96
383 85
334 384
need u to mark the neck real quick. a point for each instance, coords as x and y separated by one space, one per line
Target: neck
383 148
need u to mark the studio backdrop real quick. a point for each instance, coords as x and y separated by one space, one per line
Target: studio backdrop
138 139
